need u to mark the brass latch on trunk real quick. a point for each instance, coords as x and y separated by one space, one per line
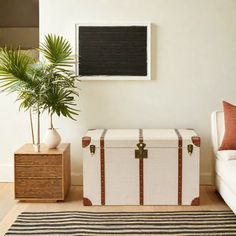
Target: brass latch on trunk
141 152
92 149
190 149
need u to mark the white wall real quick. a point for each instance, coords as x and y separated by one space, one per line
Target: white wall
193 70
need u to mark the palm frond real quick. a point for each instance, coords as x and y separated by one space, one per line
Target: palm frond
61 102
57 50
14 69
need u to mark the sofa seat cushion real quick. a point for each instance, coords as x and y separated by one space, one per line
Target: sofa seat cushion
227 172
226 155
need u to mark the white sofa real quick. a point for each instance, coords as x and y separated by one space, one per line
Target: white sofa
225 162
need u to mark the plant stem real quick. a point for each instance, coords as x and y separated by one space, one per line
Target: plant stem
31 126
38 141
51 123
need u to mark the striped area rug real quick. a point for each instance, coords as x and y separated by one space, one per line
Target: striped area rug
125 223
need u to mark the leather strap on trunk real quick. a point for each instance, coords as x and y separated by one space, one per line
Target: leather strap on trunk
102 166
180 157
141 188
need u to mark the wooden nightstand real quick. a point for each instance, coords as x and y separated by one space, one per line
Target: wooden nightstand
43 175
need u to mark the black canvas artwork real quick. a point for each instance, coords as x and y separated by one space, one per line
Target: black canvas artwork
112 50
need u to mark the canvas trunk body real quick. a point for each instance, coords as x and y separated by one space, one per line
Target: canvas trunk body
141 167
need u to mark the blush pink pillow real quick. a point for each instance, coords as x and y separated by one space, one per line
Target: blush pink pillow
229 140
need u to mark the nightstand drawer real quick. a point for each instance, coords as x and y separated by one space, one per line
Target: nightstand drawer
38 188
39 171
38 159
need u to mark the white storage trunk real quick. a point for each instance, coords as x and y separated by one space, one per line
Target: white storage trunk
141 167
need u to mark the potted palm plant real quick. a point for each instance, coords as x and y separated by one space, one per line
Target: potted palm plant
48 85
60 86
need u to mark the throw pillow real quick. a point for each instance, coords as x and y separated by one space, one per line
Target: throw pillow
229 140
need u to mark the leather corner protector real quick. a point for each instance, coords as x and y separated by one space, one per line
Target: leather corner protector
87 202
196 141
195 201
86 140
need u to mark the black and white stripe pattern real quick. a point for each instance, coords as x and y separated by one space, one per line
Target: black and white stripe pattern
125 223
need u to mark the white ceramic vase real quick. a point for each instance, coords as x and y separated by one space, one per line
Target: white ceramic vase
52 138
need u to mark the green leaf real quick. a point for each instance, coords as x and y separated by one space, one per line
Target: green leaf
57 50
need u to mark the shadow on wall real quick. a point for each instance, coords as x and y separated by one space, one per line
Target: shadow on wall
25 38
19 24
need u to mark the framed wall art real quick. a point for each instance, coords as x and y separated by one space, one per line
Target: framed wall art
113 52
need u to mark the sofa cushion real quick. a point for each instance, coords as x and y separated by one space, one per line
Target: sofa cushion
226 155
227 172
229 140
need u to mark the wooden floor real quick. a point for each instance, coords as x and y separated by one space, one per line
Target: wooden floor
9 208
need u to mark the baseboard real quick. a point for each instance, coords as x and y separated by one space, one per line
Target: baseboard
6 173
206 178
